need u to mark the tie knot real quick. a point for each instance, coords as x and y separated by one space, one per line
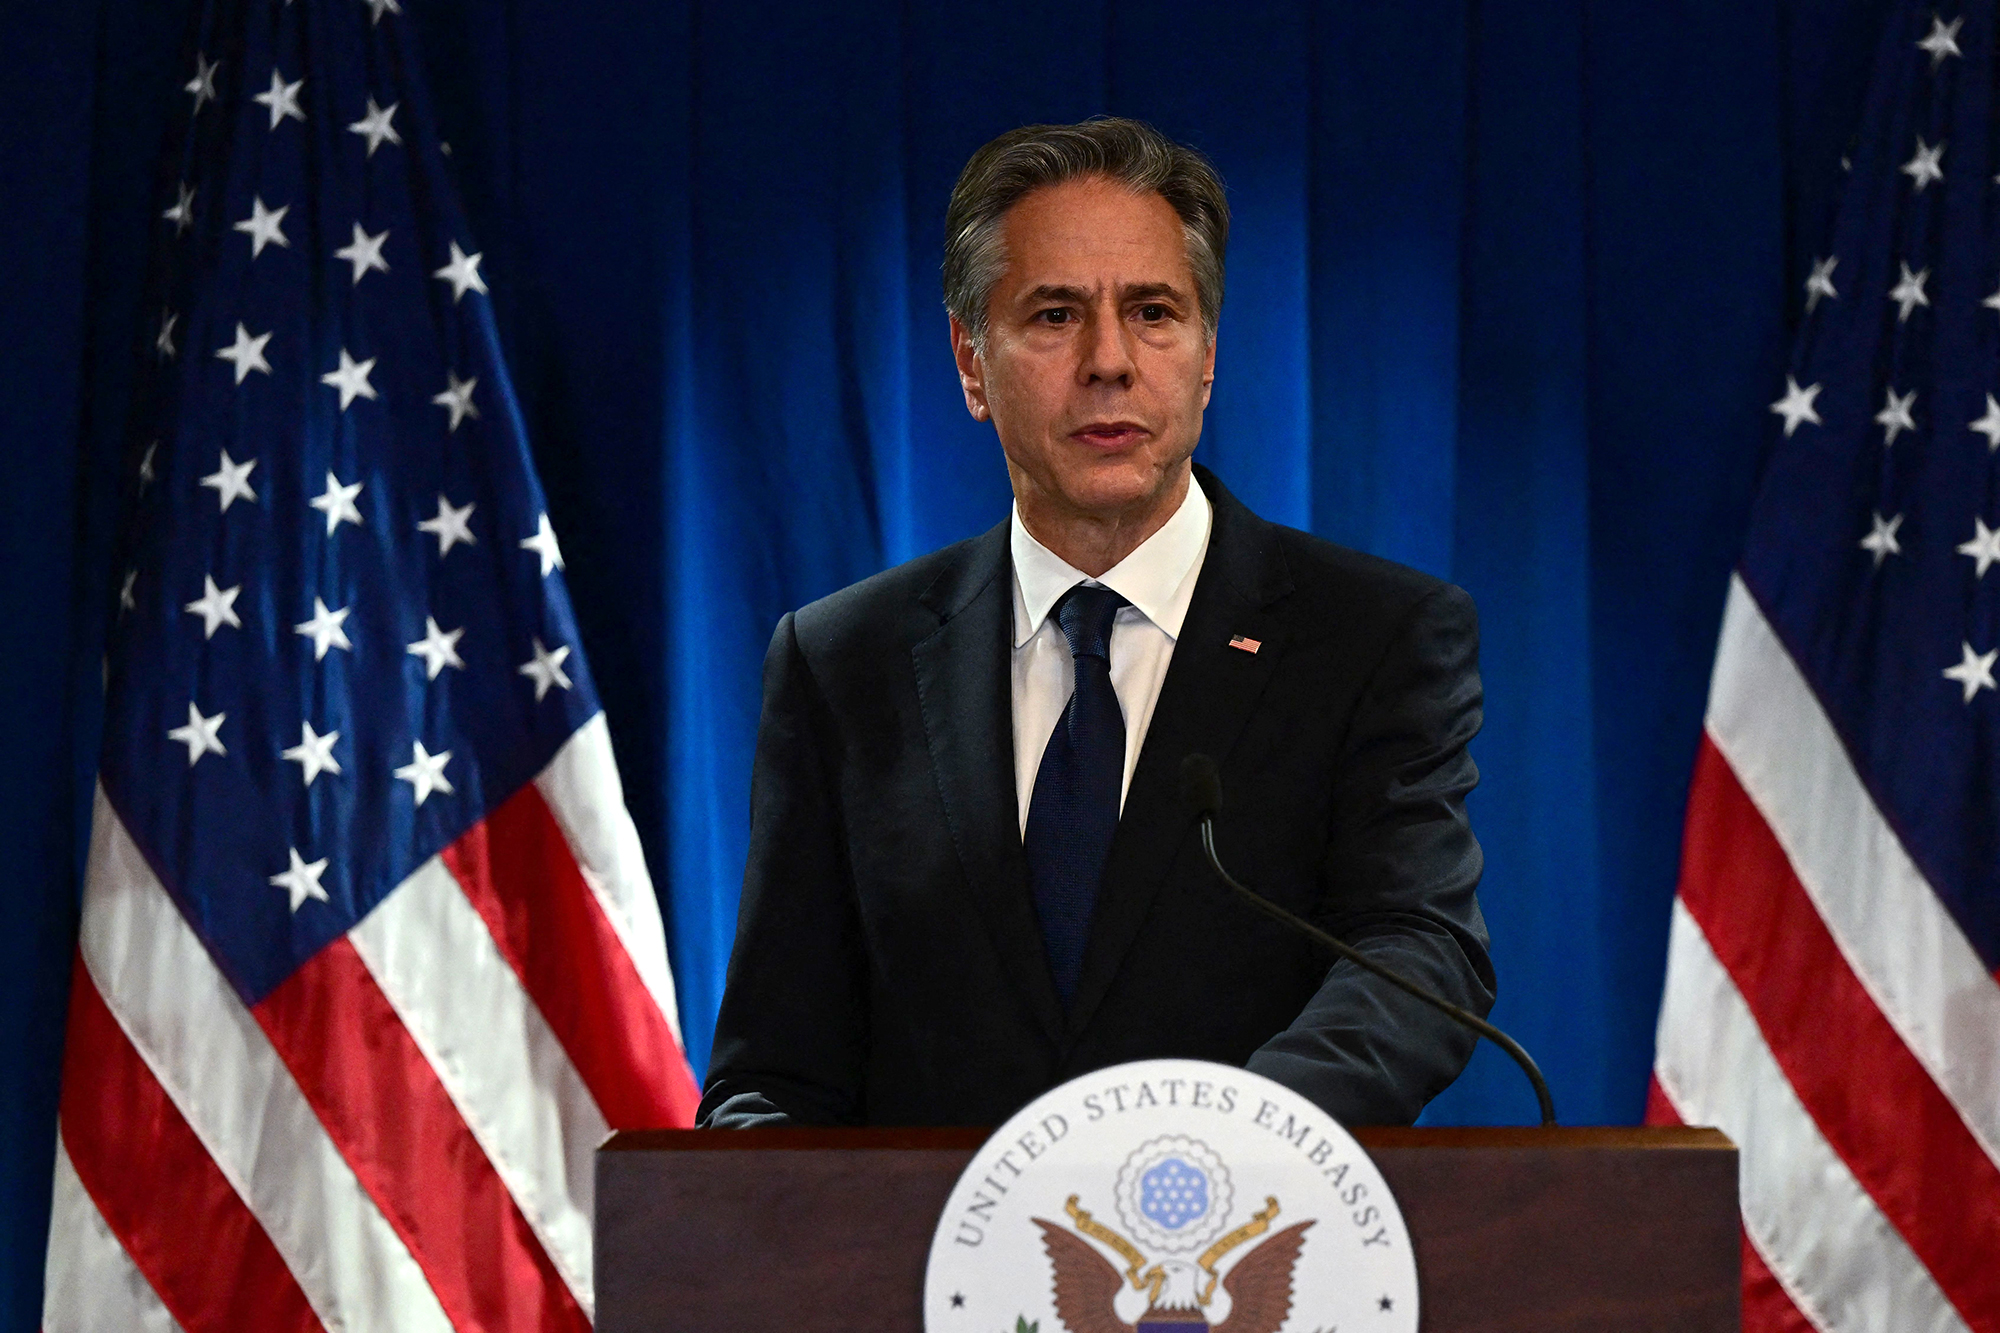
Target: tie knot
1085 614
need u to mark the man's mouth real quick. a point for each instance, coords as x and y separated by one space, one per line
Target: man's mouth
1110 434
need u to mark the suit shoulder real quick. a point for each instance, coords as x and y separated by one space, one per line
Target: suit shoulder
1325 571
884 603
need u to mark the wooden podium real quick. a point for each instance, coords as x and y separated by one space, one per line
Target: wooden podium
826 1231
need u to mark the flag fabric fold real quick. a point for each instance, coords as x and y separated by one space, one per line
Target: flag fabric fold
1831 997
369 961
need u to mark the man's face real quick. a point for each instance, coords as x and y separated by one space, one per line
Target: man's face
1096 368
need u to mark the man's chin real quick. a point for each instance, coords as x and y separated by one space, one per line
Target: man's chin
1116 492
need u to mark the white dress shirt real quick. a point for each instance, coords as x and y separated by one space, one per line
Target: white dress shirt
1157 579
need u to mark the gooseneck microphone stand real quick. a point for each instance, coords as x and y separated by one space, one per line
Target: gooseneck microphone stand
1201 784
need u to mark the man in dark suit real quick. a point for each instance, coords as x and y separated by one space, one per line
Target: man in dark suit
971 874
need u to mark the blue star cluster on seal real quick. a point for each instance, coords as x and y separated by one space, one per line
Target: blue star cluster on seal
1173 1193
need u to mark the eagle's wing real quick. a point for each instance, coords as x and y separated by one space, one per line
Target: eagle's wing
1260 1285
1086 1283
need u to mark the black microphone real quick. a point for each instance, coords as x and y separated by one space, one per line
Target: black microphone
1201 788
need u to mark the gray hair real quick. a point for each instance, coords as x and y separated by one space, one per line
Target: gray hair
1129 152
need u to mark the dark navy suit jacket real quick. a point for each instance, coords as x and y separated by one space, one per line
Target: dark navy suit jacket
888 967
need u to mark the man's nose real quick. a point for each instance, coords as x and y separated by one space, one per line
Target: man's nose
1107 350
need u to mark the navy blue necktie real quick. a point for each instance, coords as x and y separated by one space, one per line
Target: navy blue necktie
1074 809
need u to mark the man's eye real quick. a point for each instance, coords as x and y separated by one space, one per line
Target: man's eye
1058 315
1153 312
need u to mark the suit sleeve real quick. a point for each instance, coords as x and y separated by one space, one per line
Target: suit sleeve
1398 883
791 1038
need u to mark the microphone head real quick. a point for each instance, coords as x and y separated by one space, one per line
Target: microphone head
1201 785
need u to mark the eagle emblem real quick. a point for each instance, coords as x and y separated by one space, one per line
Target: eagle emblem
1173 1194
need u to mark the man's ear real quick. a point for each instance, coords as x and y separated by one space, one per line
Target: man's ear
1208 372
971 371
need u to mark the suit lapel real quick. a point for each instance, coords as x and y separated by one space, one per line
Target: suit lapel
965 689
1207 697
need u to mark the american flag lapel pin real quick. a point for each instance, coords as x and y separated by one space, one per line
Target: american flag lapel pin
1247 644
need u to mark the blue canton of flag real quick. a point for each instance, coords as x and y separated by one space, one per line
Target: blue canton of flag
1875 528
344 632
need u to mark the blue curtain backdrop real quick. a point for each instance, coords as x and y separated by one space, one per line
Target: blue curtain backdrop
1509 288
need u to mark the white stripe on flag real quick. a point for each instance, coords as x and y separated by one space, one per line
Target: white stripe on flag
91 1284
1903 945
220 1070
1845 1266
583 792
492 1050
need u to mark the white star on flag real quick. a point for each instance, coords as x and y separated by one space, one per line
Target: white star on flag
337 503
545 669
1820 282
246 353
182 212
1923 168
325 629
1895 418
457 398
163 343
1942 40
1974 671
450 527
1908 293
146 473
462 273
1984 547
543 543
438 649
301 879
202 85
1797 405
425 772
216 607
127 602
351 378
283 99
265 226
202 735
1881 539
314 753
375 126
1988 425
364 252
231 481
377 8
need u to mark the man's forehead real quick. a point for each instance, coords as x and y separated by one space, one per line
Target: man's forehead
1093 234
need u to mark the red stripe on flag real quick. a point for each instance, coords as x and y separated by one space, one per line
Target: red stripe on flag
520 875
394 1123
1767 1306
161 1193
1872 1100
1659 1111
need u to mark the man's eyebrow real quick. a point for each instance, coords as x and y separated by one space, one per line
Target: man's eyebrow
1144 291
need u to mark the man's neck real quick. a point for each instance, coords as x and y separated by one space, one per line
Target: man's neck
1095 543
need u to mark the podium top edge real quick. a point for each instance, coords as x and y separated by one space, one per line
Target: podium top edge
1372 1138
1579 1137
798 1139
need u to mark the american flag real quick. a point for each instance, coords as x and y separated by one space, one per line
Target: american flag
370 961
1831 1000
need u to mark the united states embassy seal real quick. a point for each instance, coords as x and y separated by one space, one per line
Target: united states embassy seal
1171 1196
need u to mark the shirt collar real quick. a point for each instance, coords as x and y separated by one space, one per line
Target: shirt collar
1157 578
